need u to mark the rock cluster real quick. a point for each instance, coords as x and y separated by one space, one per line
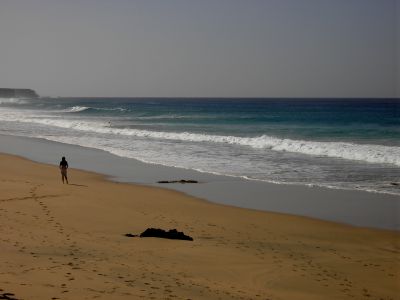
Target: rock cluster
7 296
160 233
178 181
170 234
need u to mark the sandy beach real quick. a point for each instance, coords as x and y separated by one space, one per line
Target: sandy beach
67 242
216 150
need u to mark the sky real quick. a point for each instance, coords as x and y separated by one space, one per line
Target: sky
201 48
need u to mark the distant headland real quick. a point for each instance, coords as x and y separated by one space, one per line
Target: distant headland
17 93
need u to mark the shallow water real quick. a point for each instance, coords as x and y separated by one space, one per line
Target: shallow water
348 144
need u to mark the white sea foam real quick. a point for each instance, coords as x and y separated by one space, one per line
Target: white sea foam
342 150
75 109
208 167
12 101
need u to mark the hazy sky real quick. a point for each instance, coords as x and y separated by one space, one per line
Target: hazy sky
202 48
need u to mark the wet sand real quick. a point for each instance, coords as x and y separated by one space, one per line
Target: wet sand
67 242
358 208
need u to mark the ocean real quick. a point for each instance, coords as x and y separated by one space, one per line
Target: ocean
336 143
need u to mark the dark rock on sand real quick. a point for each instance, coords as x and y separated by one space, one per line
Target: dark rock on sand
178 181
7 296
130 235
395 183
160 233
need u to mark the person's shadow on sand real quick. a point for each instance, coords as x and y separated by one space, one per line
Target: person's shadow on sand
78 184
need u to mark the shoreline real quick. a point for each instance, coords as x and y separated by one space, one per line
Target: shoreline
67 242
358 208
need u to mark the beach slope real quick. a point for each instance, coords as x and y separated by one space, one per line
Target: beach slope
68 242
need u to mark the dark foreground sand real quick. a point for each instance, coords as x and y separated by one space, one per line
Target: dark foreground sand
67 242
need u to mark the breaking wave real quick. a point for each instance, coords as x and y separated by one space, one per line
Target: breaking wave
76 109
343 150
12 101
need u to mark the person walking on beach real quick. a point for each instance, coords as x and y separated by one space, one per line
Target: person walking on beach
63 168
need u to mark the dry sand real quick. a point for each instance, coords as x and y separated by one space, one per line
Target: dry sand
67 242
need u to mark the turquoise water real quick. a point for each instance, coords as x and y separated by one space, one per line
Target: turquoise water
338 143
